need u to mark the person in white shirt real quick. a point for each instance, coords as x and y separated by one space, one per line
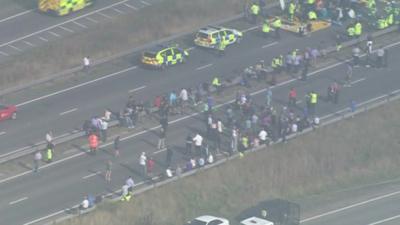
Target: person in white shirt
130 183
49 137
168 172
86 63
198 141
107 115
85 203
294 128
210 159
142 162
263 136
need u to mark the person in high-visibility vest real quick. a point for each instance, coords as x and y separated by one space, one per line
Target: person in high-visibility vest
266 29
313 102
277 24
390 19
350 32
221 45
291 10
49 152
217 85
371 5
312 15
93 142
358 29
255 11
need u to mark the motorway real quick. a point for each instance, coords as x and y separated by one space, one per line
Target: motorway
28 29
63 184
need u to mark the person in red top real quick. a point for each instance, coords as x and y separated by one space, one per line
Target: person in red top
292 97
150 166
93 142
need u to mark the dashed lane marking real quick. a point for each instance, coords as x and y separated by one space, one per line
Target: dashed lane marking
118 11
136 89
357 81
79 24
68 111
66 29
13 47
19 200
91 175
2 133
102 14
43 39
131 6
3 53
269 45
54 33
91 20
205 66
145 3
29 43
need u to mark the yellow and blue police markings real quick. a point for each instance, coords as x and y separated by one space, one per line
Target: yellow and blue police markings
210 36
63 7
163 56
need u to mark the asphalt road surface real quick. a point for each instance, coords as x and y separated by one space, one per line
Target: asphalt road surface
30 198
28 29
64 111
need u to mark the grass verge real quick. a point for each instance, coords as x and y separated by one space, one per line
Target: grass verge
344 154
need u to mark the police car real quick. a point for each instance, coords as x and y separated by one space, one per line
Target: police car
163 56
63 7
208 220
209 37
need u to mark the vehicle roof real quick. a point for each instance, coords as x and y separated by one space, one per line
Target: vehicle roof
210 29
256 221
158 48
207 218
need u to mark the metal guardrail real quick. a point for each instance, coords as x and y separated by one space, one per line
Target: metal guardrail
78 134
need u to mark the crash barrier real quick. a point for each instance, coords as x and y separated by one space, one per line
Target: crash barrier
345 113
228 82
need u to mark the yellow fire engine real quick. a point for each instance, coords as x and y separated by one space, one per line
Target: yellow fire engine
62 7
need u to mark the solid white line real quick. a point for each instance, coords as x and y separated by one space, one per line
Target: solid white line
18 49
2 133
65 22
131 6
3 53
350 206
91 20
118 11
79 24
385 220
19 200
159 151
16 15
145 3
68 111
270 44
359 80
54 33
66 29
102 14
137 89
43 39
91 175
76 86
30 44
44 217
203 67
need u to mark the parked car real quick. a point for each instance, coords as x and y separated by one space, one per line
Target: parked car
256 221
8 112
209 220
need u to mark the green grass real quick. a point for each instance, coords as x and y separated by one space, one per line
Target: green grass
341 155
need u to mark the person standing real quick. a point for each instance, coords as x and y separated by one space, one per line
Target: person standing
116 146
292 97
49 137
36 160
198 141
150 166
93 143
268 96
161 139
49 152
108 171
356 56
86 63
219 133
142 162
349 74
277 24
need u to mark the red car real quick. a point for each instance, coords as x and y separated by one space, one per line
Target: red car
8 112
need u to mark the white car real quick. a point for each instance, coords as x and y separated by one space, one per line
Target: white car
256 221
209 220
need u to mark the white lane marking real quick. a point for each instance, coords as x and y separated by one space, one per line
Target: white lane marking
29 43
91 175
76 86
131 6
79 24
92 20
16 15
68 111
102 14
19 200
385 220
145 3
350 206
2 133
249 29
270 44
64 22
191 48
3 53
53 33
118 11
357 81
43 39
159 151
136 89
203 67
44 217
13 47
67 29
